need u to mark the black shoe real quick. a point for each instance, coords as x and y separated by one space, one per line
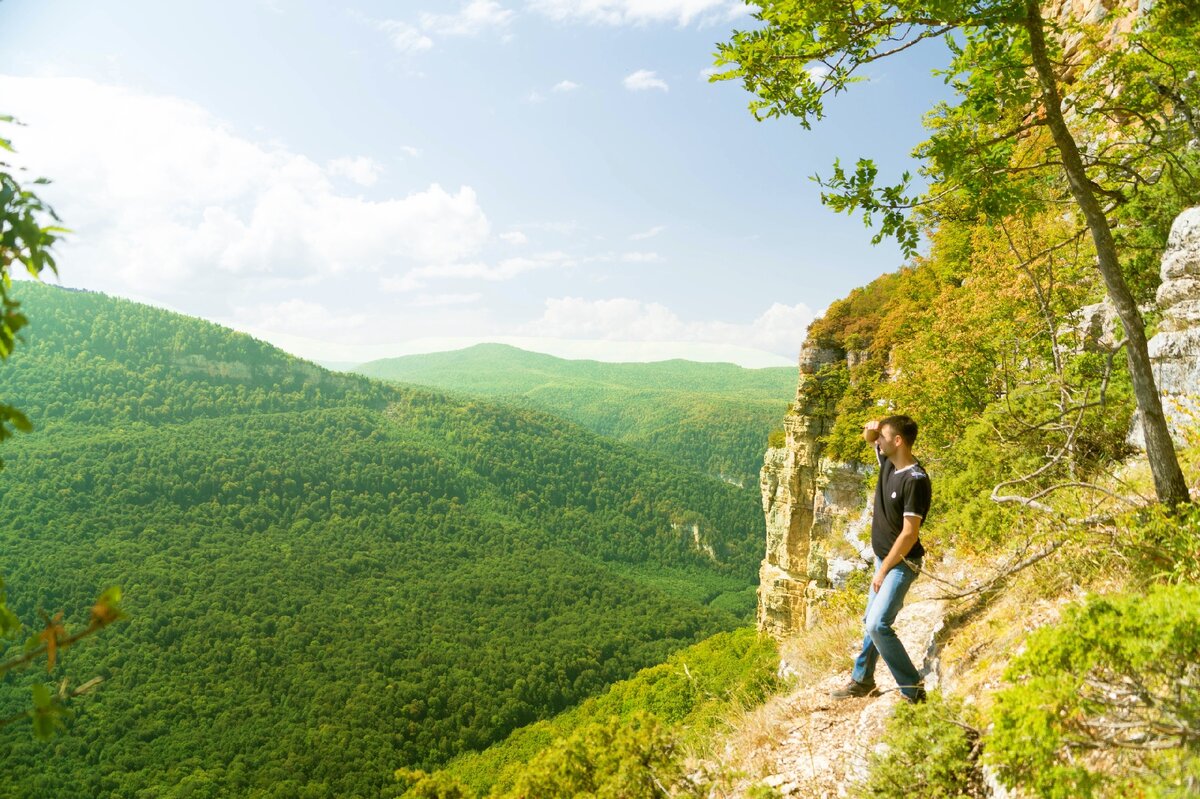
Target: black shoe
854 689
916 698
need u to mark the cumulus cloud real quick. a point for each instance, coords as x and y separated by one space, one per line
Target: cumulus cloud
163 198
506 269
362 170
641 257
639 12
300 317
648 234
515 237
473 18
644 80
405 37
779 329
443 300
565 86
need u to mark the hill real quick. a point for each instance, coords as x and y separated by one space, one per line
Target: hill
323 569
714 416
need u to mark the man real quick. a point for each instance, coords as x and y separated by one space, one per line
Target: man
902 499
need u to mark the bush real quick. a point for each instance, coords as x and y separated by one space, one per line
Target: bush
431 786
610 760
1164 545
930 754
1119 676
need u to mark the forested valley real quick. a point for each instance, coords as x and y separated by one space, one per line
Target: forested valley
322 570
715 417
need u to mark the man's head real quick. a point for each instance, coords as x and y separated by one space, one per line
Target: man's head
896 432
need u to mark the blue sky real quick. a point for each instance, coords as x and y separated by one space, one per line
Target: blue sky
355 180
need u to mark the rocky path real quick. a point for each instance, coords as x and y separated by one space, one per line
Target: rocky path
824 743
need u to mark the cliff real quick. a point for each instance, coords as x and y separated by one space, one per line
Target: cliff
809 503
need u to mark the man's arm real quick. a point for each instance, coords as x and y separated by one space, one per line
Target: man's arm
904 542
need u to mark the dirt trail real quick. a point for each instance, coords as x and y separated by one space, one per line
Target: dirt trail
825 742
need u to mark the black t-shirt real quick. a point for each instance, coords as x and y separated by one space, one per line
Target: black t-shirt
906 492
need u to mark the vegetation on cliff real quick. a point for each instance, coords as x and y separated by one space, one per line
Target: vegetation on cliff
1052 116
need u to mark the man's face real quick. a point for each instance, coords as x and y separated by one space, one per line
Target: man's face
889 441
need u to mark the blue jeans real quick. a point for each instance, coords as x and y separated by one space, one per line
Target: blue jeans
880 639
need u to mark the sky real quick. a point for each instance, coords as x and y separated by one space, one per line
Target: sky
363 179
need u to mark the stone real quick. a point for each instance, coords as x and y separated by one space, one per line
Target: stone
1175 349
1093 328
808 503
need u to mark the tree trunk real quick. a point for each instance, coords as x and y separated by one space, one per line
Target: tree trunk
1169 484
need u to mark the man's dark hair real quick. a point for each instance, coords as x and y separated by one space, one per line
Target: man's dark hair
904 425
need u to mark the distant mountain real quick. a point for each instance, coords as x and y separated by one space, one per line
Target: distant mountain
715 417
322 569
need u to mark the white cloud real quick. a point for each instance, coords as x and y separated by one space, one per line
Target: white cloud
644 80
641 257
640 12
161 195
514 237
535 97
299 317
442 300
779 329
473 18
405 37
708 72
507 269
410 151
648 234
565 86
362 170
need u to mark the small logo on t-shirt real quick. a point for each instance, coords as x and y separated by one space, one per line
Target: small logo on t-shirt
893 495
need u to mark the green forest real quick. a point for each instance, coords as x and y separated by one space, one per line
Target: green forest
319 567
715 417
498 574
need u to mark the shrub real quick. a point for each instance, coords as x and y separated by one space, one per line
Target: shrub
1120 676
930 753
609 760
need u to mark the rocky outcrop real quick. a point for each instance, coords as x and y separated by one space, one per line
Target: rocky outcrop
1175 349
806 501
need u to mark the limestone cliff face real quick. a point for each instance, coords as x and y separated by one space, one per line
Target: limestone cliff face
1175 349
807 502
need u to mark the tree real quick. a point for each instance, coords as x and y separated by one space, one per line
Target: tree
1031 87
24 240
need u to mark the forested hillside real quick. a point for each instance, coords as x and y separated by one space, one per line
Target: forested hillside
715 417
321 569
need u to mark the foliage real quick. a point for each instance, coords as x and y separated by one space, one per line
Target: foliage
1119 673
1163 544
711 416
691 693
421 785
1049 112
930 752
326 569
26 241
619 759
